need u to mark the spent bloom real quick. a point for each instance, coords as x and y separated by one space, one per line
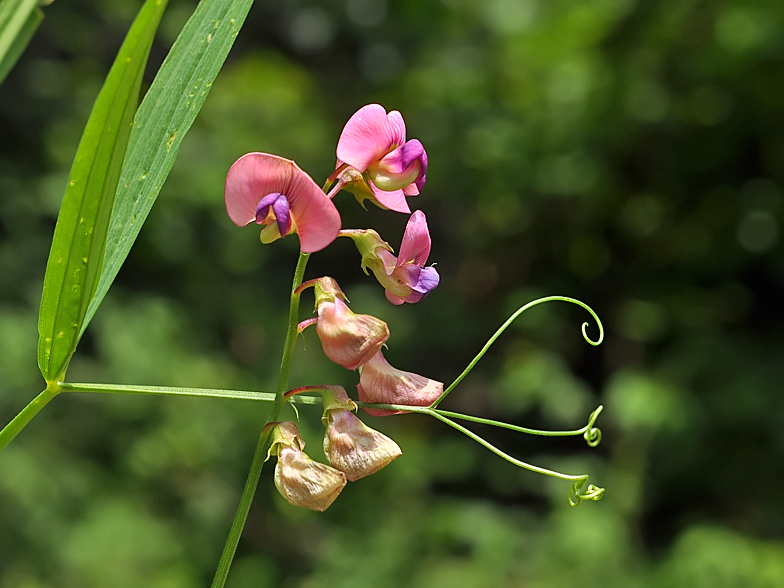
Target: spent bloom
347 338
379 382
299 479
275 192
404 278
351 446
374 144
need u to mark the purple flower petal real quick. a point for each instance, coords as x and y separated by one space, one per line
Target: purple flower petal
428 280
281 209
414 150
399 168
399 160
262 209
408 274
421 280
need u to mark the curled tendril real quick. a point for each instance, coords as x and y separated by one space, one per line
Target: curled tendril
509 321
593 435
576 495
588 339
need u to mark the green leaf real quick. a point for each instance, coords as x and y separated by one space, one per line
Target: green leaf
78 246
19 19
164 117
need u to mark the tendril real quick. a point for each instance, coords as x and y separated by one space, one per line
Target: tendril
576 495
510 320
593 435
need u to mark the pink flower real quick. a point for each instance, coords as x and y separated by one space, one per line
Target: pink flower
299 479
379 382
348 339
374 143
276 193
351 446
404 278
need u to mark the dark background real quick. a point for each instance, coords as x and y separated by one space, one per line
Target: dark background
629 154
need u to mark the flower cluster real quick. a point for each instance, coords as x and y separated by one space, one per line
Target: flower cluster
375 163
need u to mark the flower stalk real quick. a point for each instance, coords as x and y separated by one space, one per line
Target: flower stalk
263 445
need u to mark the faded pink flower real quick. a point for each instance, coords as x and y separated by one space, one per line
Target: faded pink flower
374 143
299 479
350 445
379 382
404 278
347 338
275 192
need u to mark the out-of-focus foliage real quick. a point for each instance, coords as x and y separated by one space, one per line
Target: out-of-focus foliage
630 154
18 21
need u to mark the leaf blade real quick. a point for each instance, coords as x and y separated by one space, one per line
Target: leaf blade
19 19
164 117
76 257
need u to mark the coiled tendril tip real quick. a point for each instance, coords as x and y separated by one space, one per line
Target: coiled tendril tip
576 496
585 332
593 435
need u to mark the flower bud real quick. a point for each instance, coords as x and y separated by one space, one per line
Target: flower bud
379 382
299 479
348 339
350 445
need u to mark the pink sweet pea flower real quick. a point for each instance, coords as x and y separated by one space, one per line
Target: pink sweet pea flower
299 479
374 143
348 339
275 192
379 382
351 446
404 278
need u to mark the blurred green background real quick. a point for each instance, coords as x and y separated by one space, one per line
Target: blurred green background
630 154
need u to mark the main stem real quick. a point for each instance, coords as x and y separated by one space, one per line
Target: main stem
13 428
263 445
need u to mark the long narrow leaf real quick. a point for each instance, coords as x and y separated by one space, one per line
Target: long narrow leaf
164 117
78 246
19 19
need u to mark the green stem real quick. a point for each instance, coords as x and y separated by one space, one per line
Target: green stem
263 444
13 428
312 400
167 391
173 391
